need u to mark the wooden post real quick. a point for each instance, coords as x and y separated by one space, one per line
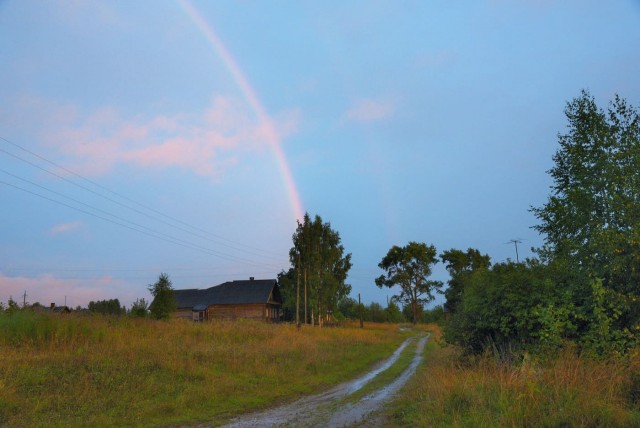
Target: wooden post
298 293
360 310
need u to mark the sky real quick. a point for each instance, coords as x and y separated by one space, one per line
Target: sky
187 137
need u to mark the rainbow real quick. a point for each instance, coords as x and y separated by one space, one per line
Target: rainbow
252 99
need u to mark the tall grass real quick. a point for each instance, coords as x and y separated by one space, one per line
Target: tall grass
58 370
567 391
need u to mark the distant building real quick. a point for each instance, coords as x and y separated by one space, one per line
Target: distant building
59 309
257 299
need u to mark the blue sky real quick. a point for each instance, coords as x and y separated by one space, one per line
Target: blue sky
131 144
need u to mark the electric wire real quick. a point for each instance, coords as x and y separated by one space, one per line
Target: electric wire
248 249
233 258
146 231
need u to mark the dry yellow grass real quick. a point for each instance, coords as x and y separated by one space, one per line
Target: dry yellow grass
95 371
568 391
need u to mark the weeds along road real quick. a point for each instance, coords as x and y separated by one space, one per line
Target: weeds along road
342 405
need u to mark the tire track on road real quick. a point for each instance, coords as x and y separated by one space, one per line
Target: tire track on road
326 409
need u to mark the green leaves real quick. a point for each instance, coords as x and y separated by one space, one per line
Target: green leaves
592 217
409 267
593 213
317 256
163 303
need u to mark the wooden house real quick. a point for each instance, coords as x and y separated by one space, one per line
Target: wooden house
59 309
257 299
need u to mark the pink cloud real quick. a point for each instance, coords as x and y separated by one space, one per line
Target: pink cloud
64 228
205 143
368 110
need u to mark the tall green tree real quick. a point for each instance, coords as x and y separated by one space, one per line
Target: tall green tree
319 268
460 264
163 303
592 217
410 267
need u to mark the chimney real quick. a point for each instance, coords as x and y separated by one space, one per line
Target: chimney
251 278
53 306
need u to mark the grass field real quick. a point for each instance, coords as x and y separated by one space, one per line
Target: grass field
568 391
104 371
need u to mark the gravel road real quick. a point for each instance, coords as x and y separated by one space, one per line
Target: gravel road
330 408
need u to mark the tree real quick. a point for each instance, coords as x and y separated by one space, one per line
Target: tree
139 308
348 307
12 305
434 315
459 265
287 284
394 314
409 267
320 266
592 217
107 307
163 303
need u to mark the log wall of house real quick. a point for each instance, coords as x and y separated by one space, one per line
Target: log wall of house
237 311
259 312
183 313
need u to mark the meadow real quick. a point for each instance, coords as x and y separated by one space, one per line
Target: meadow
566 390
116 371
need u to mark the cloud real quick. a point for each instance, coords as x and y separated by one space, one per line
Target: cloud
64 228
368 110
204 143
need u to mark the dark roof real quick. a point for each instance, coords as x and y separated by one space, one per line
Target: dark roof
246 292
188 298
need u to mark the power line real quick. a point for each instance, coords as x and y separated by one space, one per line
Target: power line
152 231
138 228
247 249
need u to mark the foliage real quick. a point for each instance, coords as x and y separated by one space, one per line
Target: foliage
139 308
374 312
163 303
393 313
409 267
287 284
107 307
348 307
566 391
434 315
12 305
510 307
460 264
592 217
407 311
319 266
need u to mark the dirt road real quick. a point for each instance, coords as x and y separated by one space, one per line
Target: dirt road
331 408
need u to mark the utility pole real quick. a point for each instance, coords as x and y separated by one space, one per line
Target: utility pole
298 293
360 310
24 299
515 242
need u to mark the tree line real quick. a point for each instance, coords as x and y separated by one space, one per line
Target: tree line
582 286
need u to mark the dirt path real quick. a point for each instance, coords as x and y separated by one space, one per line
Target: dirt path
328 408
